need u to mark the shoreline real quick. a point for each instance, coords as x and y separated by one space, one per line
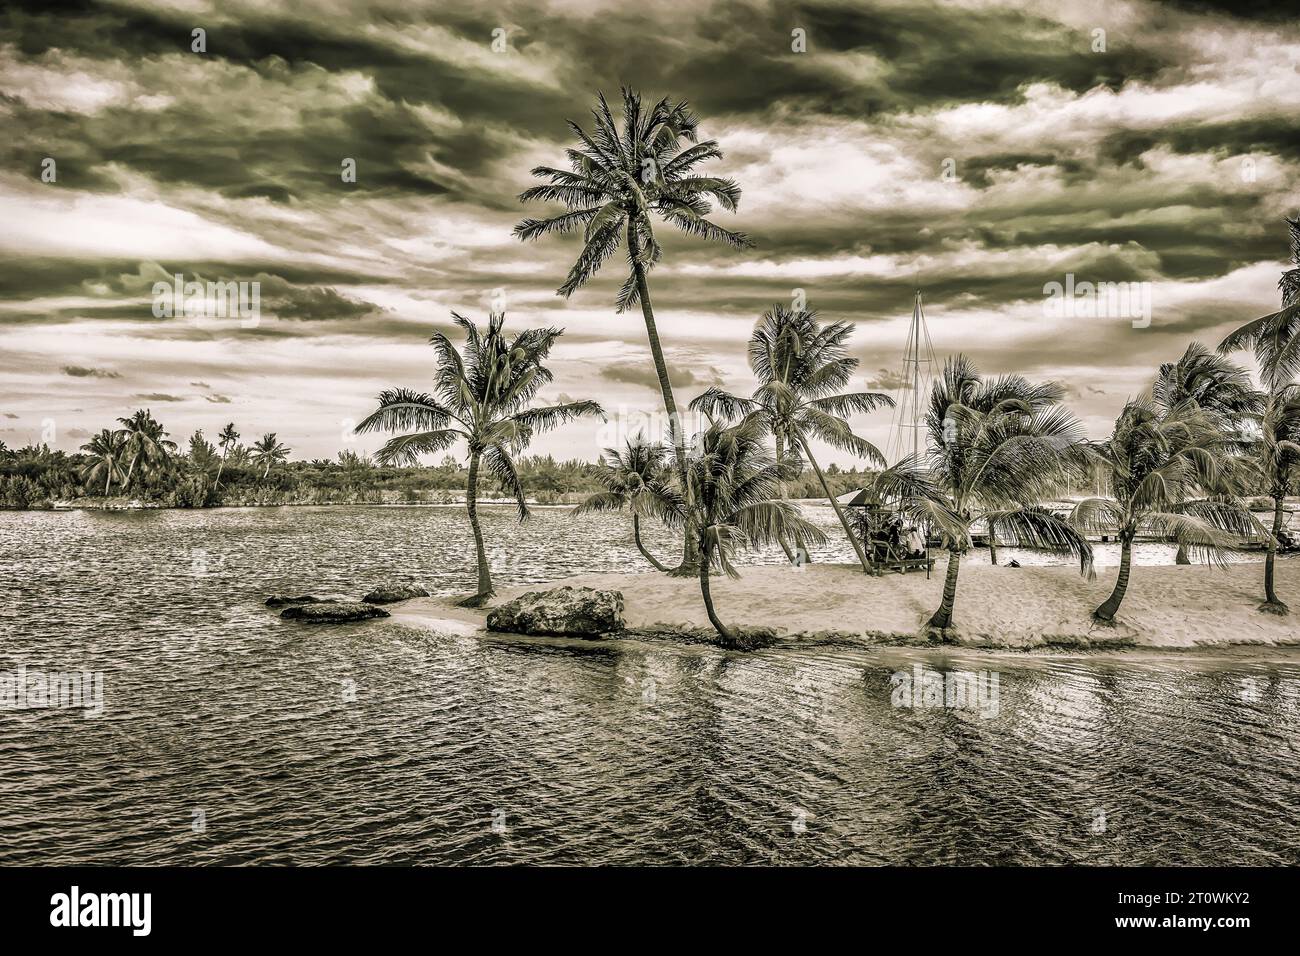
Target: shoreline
143 506
1030 609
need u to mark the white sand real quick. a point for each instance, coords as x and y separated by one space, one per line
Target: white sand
1166 606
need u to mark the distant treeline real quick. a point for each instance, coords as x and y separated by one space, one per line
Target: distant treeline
35 477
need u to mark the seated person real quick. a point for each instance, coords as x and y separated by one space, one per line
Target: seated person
915 544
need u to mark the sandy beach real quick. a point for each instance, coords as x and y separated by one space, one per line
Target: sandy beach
1167 606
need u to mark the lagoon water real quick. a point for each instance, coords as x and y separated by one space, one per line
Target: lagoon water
229 736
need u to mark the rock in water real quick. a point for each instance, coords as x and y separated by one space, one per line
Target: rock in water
390 593
332 612
281 600
585 612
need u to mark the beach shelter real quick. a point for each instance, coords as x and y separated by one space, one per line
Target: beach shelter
880 527
855 499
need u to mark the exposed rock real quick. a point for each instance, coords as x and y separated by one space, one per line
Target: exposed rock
585 612
332 612
391 593
748 638
281 600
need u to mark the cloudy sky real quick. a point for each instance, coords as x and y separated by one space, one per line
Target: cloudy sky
974 150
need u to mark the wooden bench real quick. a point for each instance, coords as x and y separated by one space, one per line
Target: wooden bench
903 565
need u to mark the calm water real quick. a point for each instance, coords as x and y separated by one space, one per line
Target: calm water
231 737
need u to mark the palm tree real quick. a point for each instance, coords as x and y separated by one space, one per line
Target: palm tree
999 446
1221 390
734 481
1275 340
482 397
618 180
636 479
268 451
146 444
108 449
1168 478
226 438
1277 452
801 366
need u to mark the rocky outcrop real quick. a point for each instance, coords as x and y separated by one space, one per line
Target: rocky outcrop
391 593
332 612
581 612
284 600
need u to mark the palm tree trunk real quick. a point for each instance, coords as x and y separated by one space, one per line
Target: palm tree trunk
728 639
108 480
1110 607
839 512
689 556
471 505
636 536
1181 557
942 618
221 465
780 458
993 545
1272 603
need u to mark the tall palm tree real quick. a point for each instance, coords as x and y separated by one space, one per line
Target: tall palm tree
1222 391
636 478
801 366
1000 445
482 397
1168 478
618 182
734 481
108 450
227 439
268 451
1275 340
146 445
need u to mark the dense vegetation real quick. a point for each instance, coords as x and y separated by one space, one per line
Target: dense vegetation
36 477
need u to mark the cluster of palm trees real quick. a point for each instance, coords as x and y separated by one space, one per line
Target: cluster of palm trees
133 455
1180 459
139 453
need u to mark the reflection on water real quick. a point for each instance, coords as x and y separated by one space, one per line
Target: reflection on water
231 737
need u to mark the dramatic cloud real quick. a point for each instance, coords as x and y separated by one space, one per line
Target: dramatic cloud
360 163
78 371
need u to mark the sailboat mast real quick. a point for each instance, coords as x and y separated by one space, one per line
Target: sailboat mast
914 348
912 394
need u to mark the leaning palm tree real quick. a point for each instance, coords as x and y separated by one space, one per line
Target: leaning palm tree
637 479
1220 389
801 367
481 396
1275 340
227 439
107 450
734 481
999 446
146 444
1169 479
268 451
619 180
